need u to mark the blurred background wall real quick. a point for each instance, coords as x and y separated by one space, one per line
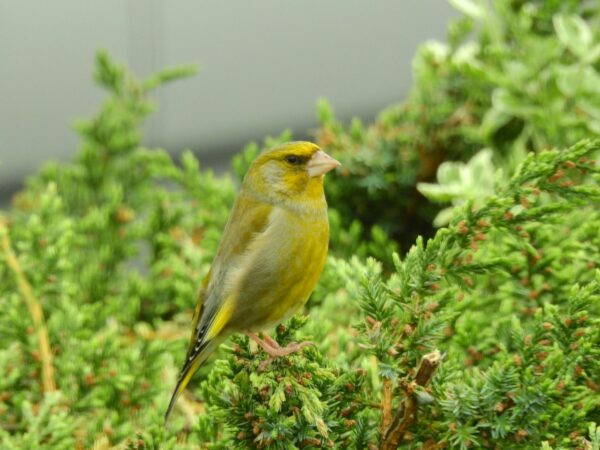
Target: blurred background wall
262 64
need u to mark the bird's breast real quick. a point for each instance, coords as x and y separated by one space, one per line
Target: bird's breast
281 268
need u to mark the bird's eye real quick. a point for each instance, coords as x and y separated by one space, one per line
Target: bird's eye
292 159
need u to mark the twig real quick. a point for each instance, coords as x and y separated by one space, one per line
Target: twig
428 366
35 310
407 412
386 405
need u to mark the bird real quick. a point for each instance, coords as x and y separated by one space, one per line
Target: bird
270 257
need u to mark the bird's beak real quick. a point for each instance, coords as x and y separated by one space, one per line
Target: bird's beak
320 164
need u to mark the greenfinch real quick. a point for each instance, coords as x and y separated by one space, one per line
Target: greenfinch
270 257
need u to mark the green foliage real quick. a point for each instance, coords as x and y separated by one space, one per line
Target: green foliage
46 426
112 246
459 182
515 76
297 402
110 249
530 346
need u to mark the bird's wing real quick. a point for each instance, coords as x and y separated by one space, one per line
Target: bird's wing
247 221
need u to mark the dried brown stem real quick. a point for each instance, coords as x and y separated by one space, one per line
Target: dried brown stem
407 412
386 404
428 366
35 310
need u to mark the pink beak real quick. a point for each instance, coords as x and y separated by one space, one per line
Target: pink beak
320 164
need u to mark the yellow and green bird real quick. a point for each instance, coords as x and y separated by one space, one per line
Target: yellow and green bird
270 257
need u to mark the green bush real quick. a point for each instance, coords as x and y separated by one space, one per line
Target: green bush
483 334
515 76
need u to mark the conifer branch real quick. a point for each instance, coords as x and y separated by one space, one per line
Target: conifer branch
35 310
407 412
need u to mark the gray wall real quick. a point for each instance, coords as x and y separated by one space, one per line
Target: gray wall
263 65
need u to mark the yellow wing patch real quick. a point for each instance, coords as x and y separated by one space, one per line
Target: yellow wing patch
221 319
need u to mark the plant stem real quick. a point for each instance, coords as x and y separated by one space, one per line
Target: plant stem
35 310
386 404
407 412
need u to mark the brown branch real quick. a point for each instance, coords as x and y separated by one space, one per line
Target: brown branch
35 310
407 412
428 366
386 404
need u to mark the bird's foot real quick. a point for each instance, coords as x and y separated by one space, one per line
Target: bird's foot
269 340
288 349
273 349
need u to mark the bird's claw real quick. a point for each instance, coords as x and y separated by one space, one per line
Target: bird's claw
282 351
274 350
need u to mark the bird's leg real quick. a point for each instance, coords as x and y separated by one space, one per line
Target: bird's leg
272 342
273 349
264 344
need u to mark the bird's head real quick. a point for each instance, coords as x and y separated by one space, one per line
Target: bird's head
292 172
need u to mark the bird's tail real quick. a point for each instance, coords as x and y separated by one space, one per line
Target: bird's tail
204 340
189 370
